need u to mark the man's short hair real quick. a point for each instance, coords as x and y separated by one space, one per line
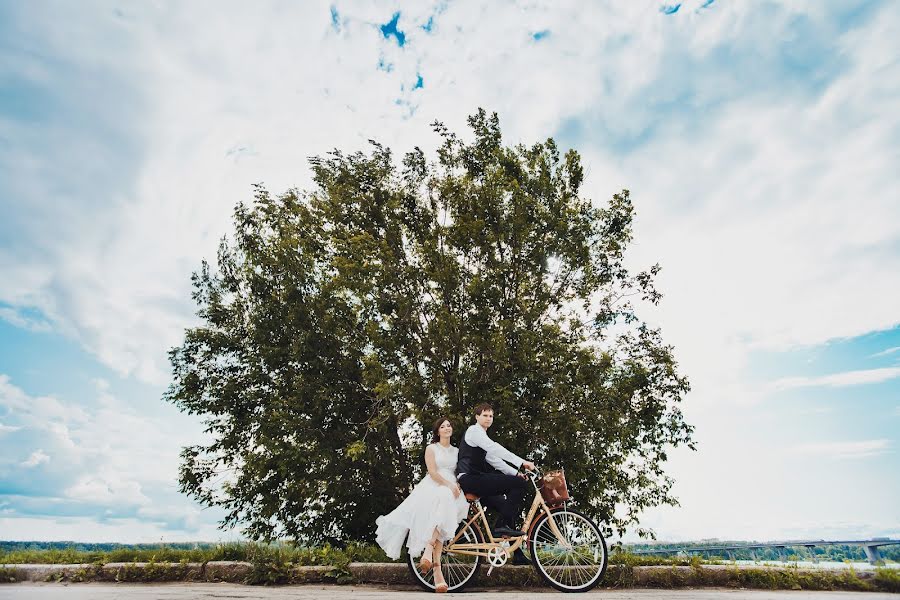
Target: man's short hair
483 407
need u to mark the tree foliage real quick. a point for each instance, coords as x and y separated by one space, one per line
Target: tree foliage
341 321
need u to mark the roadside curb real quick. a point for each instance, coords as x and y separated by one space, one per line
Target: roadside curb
620 576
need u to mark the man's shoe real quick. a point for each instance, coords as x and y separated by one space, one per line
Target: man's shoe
519 558
504 531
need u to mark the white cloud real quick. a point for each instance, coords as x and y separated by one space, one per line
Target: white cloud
102 461
886 352
7 428
37 457
760 163
25 322
848 378
107 489
816 410
860 449
86 529
43 411
765 185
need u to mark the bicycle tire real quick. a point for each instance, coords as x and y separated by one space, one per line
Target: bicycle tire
462 576
543 549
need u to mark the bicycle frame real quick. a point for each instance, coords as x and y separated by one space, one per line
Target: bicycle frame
482 548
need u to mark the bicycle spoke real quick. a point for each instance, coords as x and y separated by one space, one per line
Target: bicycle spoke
459 567
577 559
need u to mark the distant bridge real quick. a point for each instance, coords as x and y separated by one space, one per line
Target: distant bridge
870 546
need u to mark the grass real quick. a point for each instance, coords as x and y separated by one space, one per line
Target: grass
624 558
276 564
887 579
271 563
250 552
253 552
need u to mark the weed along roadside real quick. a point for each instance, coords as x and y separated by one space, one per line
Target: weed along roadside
285 564
617 576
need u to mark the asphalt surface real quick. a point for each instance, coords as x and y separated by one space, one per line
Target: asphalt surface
206 591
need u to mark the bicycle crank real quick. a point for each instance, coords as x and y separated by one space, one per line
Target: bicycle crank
497 557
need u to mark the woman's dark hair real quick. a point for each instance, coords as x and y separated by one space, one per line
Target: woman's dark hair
435 435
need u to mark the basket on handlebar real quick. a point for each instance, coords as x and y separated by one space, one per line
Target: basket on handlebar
553 487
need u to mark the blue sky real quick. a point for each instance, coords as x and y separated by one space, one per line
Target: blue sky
759 141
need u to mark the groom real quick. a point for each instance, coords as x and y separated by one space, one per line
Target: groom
482 469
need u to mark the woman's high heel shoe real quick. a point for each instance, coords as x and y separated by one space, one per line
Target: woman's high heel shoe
441 587
425 562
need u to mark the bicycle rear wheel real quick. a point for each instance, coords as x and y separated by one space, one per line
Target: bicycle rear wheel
459 570
578 563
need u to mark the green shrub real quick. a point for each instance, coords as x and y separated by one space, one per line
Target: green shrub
7 575
886 579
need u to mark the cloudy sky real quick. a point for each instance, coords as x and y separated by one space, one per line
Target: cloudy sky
760 141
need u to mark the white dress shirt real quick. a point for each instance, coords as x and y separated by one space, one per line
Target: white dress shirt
496 454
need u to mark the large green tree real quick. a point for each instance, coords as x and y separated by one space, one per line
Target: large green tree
341 321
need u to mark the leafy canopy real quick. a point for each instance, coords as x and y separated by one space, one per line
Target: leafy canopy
342 321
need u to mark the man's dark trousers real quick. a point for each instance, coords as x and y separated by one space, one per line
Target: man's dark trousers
491 487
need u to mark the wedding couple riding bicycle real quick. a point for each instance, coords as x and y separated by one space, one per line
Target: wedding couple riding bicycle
444 524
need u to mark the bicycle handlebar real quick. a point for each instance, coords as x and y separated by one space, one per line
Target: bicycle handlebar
533 475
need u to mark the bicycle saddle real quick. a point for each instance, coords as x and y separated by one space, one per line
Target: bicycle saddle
472 497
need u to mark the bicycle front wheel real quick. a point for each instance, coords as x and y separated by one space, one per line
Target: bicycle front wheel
459 570
576 562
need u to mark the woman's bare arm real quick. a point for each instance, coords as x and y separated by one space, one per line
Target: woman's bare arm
431 463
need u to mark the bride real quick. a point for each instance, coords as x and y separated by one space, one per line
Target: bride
432 510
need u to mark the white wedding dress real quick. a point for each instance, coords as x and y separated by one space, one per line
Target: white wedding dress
429 505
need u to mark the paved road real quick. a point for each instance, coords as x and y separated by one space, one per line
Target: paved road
204 591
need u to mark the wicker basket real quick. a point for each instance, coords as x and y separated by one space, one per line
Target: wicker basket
553 487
